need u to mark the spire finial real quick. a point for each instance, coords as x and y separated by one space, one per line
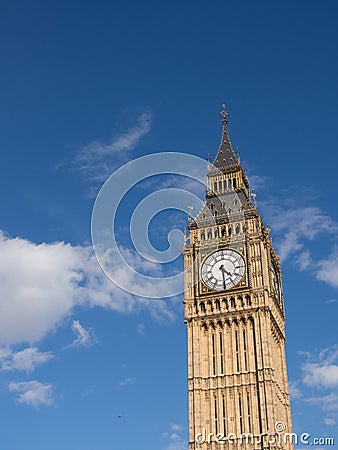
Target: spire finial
190 207
224 114
254 195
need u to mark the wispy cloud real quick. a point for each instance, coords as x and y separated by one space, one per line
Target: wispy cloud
126 382
97 160
319 380
327 402
259 182
141 329
177 427
23 360
321 370
328 270
330 421
295 226
294 390
331 300
33 393
176 442
84 338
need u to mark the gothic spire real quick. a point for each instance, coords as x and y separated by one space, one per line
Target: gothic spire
225 158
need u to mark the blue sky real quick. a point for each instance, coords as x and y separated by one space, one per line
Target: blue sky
88 86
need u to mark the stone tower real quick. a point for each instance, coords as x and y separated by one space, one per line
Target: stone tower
234 312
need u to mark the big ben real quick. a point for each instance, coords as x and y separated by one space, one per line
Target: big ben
235 317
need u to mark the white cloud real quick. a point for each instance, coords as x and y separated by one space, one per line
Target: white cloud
294 390
258 182
320 376
319 373
321 370
331 300
296 225
304 260
83 336
37 288
33 393
141 329
328 269
327 402
98 160
42 283
126 382
176 427
24 360
176 442
329 421
294 228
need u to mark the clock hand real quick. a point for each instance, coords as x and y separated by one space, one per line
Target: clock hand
222 269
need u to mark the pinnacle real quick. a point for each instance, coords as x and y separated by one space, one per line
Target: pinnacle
225 157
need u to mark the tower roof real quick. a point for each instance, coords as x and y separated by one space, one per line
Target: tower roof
225 158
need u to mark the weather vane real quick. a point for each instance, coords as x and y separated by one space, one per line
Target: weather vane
224 113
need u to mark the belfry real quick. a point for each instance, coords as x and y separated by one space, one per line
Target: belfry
235 317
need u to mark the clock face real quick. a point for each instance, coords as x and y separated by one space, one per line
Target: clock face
275 283
223 269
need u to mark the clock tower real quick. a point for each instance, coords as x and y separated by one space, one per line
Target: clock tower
235 317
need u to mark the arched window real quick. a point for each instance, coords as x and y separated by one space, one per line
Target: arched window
202 307
209 234
213 352
216 233
238 229
240 409
221 355
224 415
232 302
217 305
249 413
237 351
216 415
223 232
220 185
202 236
248 300
234 183
245 351
225 185
230 231
215 186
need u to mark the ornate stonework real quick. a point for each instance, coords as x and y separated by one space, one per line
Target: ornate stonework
237 376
